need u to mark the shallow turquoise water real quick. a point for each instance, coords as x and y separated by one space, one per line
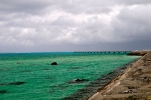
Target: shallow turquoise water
43 81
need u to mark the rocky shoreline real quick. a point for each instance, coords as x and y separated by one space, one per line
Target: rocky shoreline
94 86
132 84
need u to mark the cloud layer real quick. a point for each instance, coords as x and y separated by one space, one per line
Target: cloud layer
71 25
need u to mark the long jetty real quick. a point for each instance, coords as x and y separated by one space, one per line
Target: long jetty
102 52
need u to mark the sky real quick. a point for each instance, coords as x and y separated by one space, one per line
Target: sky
74 25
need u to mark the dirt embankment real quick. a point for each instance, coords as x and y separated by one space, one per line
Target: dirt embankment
137 53
133 84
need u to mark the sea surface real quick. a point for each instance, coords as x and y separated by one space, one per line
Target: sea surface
30 76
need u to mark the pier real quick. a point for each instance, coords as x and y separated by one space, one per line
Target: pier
102 52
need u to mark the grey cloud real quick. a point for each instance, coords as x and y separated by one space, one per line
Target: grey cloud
133 2
42 7
74 25
71 6
28 6
64 21
88 6
133 24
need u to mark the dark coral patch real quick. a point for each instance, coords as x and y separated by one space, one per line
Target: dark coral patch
3 91
16 83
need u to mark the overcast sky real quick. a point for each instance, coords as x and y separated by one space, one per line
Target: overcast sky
74 25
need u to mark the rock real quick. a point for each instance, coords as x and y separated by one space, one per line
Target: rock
3 91
18 63
136 53
12 83
78 81
54 63
127 91
16 83
1 84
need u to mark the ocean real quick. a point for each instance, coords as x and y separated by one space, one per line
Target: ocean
30 76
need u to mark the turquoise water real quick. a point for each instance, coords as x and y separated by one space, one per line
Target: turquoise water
30 76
